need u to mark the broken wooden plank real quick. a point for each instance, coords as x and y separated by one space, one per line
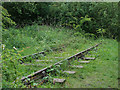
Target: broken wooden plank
58 80
44 60
55 57
58 57
60 63
76 66
35 64
84 61
88 58
70 72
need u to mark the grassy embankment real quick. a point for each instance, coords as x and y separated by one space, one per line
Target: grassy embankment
100 73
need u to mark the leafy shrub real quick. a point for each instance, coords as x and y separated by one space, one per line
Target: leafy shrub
6 20
10 69
26 12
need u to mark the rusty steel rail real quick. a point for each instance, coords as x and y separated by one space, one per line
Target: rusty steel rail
40 72
32 55
24 57
80 54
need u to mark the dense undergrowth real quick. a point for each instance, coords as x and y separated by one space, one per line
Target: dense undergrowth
101 73
90 17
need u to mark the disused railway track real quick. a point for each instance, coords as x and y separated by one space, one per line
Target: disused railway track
33 55
24 57
43 72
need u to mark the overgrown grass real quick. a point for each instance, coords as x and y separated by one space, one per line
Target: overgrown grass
100 73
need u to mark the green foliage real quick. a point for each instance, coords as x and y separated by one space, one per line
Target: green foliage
10 69
77 23
6 20
101 31
34 36
66 14
26 12
15 38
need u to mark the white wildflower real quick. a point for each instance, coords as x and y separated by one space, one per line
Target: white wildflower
14 48
3 46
